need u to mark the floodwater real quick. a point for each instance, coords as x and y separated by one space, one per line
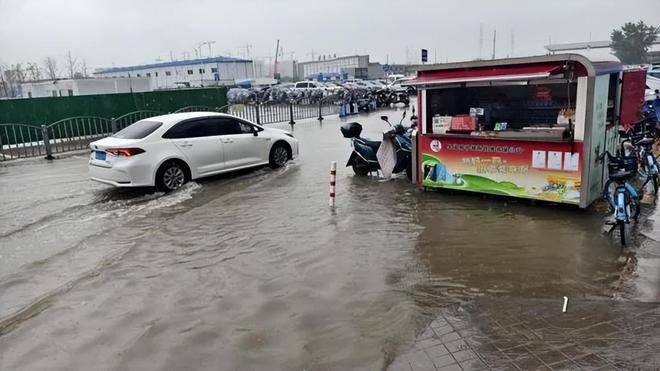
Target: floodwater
253 271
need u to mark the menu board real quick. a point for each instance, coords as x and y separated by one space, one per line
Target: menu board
538 159
571 161
554 160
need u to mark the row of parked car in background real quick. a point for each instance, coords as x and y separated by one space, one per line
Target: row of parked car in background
362 92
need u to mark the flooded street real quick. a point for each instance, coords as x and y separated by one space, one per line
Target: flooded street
253 271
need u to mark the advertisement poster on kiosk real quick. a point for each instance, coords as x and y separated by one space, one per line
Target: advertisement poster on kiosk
535 170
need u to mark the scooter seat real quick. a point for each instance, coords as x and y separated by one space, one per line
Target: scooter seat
371 143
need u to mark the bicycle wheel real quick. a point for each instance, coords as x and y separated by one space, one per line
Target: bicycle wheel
635 208
608 192
622 231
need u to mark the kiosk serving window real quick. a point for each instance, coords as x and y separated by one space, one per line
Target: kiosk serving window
497 109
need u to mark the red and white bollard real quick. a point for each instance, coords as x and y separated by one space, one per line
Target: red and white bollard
333 180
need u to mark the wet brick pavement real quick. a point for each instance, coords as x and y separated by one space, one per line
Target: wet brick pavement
534 335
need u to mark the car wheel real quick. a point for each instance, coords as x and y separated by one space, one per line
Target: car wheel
170 176
279 155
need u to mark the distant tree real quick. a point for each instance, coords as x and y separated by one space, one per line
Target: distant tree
34 72
71 65
50 66
632 42
83 69
18 73
12 78
3 83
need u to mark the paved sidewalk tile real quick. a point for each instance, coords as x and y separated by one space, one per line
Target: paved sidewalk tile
420 361
526 334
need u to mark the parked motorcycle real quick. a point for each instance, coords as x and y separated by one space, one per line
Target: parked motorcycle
363 159
400 97
387 96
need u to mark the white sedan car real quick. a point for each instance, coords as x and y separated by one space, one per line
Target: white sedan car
167 151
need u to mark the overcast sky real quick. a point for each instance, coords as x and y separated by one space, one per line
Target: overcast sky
129 32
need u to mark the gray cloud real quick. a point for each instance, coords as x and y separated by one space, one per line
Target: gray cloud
135 32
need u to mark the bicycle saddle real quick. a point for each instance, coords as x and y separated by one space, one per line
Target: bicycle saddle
645 142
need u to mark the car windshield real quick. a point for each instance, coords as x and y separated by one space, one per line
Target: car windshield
138 130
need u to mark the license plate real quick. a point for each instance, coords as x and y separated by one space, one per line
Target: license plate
99 155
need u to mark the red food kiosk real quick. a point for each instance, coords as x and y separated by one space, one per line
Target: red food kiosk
532 127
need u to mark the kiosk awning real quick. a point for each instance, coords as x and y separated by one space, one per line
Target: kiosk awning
500 73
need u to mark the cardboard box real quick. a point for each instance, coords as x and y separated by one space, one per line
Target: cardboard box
441 124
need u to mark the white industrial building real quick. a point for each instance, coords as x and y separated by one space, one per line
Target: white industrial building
71 87
187 73
288 70
356 66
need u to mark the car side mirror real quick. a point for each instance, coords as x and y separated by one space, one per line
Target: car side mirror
255 132
384 118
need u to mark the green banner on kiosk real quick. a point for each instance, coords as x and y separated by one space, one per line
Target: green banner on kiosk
549 171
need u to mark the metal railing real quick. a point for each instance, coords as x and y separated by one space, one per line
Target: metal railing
20 140
75 133
267 113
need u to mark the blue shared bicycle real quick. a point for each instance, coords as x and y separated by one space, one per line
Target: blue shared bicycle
621 196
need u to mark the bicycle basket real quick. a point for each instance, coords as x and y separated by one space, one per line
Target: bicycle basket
624 163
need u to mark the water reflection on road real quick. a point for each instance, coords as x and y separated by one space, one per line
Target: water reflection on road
253 271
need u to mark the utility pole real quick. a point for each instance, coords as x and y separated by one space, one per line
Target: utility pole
494 43
277 51
248 46
513 42
208 43
481 40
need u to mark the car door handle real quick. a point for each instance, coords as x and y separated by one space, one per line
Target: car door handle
186 144
227 140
